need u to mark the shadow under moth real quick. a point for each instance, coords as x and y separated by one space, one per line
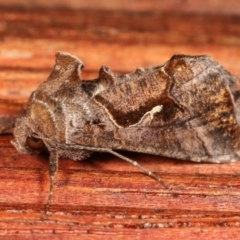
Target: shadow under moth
187 108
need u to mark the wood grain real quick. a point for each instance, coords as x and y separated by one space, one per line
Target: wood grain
103 195
209 6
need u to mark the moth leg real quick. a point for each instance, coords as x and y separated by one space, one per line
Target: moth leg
54 163
53 167
135 163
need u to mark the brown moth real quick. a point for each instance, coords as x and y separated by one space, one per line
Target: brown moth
187 108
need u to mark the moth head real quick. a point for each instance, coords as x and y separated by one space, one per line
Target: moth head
25 139
42 124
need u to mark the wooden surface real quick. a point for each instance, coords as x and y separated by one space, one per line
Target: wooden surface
105 197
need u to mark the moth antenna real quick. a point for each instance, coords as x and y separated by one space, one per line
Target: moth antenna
135 163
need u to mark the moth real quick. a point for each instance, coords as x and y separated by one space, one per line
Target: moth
187 108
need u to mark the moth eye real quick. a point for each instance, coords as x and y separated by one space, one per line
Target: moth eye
34 143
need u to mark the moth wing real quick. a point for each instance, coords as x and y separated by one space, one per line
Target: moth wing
130 98
199 119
